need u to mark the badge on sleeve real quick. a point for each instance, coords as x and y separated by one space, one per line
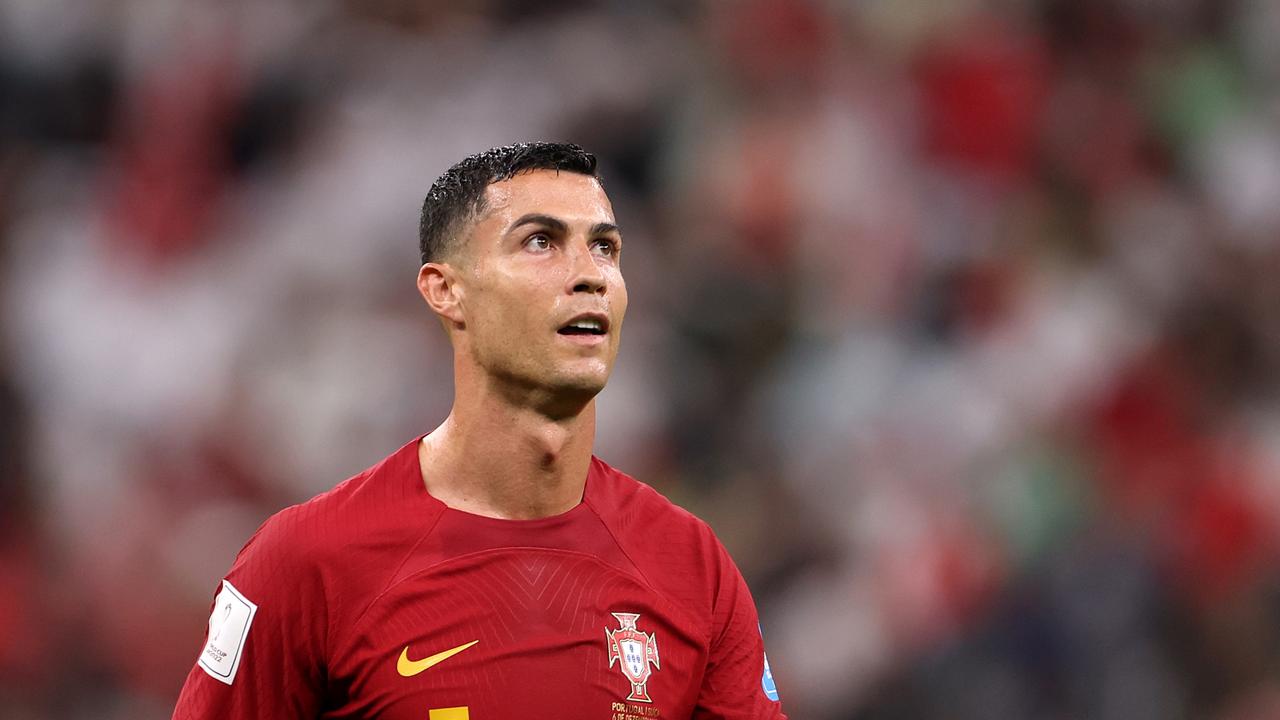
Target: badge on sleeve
766 679
228 631
766 682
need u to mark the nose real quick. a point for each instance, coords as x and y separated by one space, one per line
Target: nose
585 275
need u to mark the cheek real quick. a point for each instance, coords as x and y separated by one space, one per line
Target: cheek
508 310
620 298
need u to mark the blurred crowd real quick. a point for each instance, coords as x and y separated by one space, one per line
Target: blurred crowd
959 320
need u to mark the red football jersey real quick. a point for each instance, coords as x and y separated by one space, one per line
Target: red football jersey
375 600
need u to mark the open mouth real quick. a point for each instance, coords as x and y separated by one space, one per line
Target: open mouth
586 325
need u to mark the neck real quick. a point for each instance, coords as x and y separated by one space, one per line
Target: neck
497 457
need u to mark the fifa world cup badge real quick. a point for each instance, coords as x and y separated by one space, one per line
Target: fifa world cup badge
634 651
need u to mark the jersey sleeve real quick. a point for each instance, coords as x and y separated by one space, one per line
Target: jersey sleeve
263 654
737 684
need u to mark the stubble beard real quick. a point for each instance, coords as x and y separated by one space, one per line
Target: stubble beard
538 382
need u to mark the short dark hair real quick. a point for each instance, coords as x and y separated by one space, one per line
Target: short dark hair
458 194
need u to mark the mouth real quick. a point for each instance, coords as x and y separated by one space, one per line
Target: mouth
587 325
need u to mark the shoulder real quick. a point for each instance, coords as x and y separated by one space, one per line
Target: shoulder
371 504
340 542
627 504
677 552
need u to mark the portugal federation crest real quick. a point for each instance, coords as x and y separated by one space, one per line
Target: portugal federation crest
634 652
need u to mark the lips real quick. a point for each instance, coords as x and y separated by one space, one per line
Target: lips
586 324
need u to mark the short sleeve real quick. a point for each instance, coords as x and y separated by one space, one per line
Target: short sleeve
737 684
263 653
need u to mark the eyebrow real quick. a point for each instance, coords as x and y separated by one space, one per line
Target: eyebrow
605 229
559 225
536 219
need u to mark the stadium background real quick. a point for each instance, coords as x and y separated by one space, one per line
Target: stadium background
958 320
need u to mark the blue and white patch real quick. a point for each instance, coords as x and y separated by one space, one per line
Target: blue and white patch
766 680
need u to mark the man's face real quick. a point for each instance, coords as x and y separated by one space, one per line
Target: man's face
541 284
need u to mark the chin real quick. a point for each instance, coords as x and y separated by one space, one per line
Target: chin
567 395
584 385
563 382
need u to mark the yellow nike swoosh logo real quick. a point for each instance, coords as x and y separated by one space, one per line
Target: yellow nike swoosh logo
409 668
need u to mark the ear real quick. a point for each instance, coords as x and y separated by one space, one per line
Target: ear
438 285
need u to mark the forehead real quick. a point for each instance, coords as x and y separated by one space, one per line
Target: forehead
569 196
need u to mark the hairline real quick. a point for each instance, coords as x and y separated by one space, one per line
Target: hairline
455 241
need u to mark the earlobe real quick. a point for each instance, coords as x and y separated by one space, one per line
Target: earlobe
438 286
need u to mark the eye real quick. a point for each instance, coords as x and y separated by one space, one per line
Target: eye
605 246
538 242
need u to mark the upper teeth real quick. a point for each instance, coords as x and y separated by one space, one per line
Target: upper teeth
588 324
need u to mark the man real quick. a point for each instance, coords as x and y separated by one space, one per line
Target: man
494 568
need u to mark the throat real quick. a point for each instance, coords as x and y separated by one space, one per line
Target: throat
520 469
528 496
549 461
